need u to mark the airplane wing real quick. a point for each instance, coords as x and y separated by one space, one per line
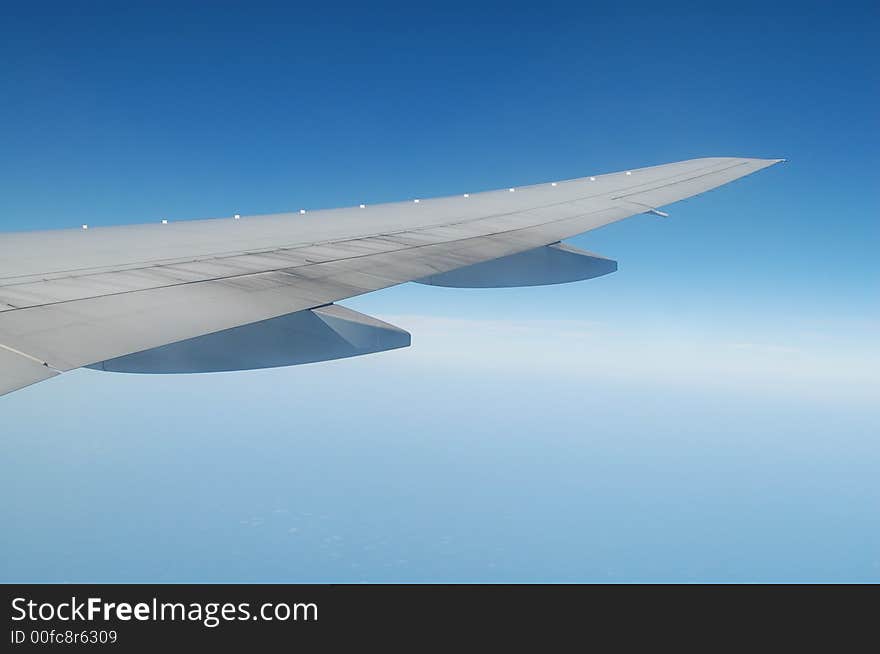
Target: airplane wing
255 291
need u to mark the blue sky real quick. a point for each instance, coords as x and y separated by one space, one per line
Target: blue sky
709 412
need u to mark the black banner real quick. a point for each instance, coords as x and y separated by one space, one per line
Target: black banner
148 617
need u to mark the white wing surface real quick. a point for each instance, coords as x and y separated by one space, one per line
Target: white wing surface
73 298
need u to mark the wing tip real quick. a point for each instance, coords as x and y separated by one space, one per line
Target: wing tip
760 163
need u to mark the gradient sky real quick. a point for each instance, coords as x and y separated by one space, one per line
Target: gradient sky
707 413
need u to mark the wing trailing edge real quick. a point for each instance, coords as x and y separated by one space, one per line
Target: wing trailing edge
18 370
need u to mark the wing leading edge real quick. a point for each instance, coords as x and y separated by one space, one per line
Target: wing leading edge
74 298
